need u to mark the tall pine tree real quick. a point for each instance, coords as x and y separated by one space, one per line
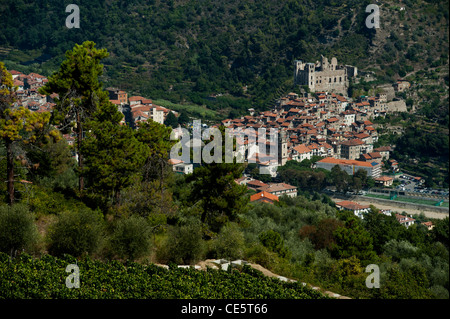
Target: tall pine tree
79 90
113 155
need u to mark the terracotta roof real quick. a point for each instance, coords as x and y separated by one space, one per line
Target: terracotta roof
353 142
384 178
141 108
301 149
175 161
383 149
35 75
276 187
362 135
336 161
14 72
136 98
375 155
256 183
403 219
263 195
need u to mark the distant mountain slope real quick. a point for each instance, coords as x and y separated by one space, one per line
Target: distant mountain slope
184 49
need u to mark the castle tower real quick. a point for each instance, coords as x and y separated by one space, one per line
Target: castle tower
311 76
324 63
324 75
299 67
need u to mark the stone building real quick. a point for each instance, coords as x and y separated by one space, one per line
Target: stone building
324 76
351 149
117 95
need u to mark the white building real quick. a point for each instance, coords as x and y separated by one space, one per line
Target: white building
157 115
357 209
301 152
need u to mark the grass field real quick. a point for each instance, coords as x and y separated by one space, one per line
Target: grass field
410 200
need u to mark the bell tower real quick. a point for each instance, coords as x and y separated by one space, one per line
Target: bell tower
282 148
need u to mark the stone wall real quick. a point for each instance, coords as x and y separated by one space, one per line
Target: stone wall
388 89
396 106
338 84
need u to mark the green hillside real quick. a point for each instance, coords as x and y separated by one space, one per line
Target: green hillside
185 49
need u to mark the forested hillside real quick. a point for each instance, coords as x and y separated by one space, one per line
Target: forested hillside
186 49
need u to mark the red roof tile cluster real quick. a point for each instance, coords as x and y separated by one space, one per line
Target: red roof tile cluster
264 196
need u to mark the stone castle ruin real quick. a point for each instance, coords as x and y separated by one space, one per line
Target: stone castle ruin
324 76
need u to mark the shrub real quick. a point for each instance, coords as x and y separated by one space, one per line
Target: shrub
400 249
229 243
274 242
76 233
259 254
17 229
45 201
439 292
131 238
184 245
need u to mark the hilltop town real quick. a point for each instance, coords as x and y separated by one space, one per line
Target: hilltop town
327 123
321 121
324 124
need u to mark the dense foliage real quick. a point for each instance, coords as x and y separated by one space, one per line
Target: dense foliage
332 249
26 277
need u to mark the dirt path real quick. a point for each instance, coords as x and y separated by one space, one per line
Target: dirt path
210 263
